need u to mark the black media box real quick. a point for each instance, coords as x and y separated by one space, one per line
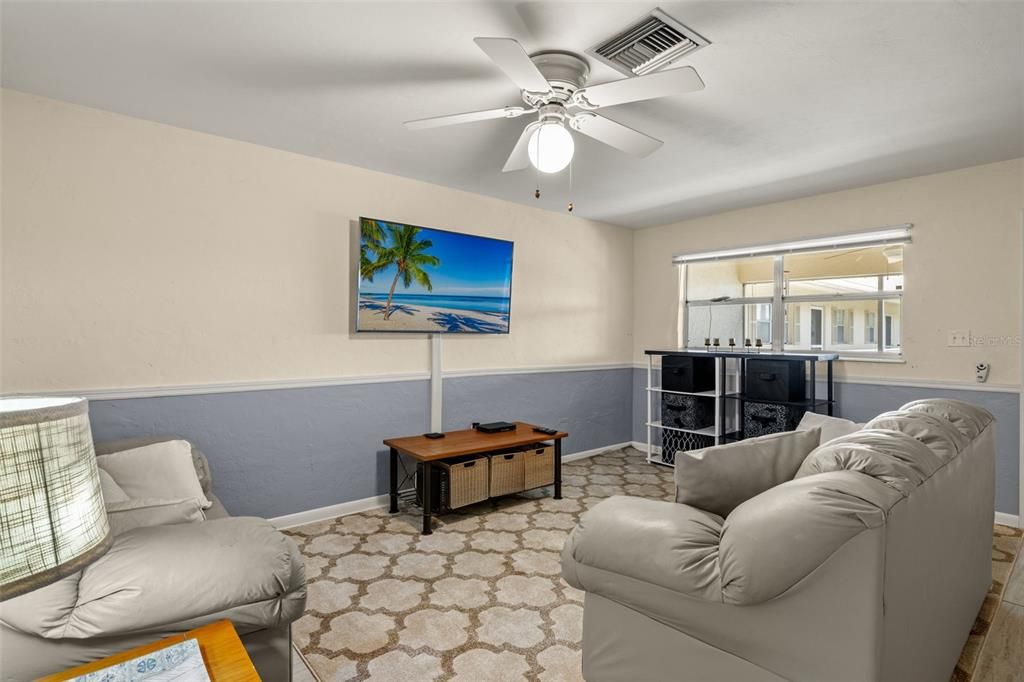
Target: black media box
496 427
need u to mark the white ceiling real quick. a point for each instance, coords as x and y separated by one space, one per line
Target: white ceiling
801 97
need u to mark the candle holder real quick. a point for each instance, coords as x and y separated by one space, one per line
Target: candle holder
758 345
707 344
748 345
732 344
715 343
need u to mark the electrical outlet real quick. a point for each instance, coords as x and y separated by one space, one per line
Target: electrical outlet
959 338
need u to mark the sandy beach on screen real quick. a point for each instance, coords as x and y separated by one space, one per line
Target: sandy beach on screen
408 317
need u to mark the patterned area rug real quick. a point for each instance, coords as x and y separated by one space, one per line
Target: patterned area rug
1006 543
482 598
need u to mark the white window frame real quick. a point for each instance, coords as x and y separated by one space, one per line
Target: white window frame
886 236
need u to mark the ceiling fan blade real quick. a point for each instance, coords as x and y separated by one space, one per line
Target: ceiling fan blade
614 134
520 156
511 58
651 86
468 117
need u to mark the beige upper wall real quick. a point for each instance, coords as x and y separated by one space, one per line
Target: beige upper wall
962 270
136 254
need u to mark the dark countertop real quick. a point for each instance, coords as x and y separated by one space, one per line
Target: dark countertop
764 355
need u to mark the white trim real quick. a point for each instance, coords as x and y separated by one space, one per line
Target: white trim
541 369
1008 520
939 385
381 501
910 383
280 384
1020 370
231 387
893 234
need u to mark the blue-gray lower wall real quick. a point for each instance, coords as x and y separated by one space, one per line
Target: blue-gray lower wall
281 451
861 402
592 406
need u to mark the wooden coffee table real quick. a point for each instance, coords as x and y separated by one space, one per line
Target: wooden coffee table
225 657
467 442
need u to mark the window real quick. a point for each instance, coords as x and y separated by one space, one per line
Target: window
801 296
841 321
792 325
759 321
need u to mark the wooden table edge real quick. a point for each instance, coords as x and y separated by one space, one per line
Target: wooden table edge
402 443
203 634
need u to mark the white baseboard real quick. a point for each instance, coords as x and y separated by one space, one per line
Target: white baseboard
380 501
1011 520
330 512
596 451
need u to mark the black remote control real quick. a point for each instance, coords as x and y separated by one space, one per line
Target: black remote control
544 429
433 436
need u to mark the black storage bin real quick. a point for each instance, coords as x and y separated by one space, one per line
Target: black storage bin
782 380
673 442
760 419
687 411
687 373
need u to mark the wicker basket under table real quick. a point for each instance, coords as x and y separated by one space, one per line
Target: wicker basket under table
539 466
467 481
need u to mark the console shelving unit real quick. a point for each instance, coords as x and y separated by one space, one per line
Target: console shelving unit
728 397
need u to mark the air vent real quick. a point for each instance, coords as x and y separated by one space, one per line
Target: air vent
652 43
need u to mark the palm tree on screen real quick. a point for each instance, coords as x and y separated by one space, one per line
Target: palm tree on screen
407 254
371 238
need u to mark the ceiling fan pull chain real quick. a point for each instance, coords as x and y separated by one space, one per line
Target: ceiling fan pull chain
536 175
570 186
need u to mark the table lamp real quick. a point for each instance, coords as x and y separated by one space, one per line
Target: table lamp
52 518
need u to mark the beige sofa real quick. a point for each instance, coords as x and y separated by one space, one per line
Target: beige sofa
161 580
870 564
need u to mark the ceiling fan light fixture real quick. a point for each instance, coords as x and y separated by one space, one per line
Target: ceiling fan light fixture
551 147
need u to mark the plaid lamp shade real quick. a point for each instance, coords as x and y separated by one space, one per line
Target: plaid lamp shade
52 518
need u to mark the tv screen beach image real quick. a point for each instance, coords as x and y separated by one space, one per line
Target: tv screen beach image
418 279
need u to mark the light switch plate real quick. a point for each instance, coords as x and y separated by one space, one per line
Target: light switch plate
959 338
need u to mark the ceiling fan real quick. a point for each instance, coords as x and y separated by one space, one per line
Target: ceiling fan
554 86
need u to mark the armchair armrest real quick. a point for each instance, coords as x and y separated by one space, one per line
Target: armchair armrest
671 545
156 577
765 546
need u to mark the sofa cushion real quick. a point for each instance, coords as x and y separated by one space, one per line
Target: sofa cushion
199 460
938 434
141 513
719 478
969 420
163 577
112 492
900 461
162 470
831 427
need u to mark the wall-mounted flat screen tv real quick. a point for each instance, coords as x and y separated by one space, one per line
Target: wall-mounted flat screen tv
423 280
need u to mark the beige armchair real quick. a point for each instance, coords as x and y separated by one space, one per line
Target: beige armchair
161 580
870 564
